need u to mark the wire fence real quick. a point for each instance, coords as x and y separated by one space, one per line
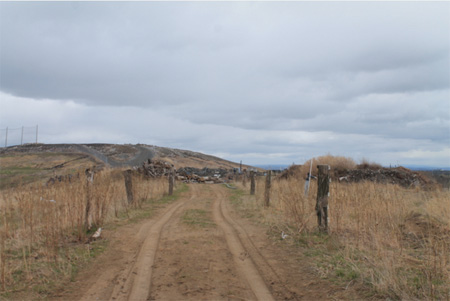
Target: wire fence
18 136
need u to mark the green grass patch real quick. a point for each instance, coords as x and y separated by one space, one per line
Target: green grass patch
167 199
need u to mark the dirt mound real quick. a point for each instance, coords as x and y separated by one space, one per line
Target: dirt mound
372 173
399 176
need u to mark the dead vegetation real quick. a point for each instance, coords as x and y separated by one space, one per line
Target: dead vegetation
392 241
47 231
347 171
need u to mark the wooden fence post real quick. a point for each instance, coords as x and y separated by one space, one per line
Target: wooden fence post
171 182
87 211
128 185
252 182
323 192
267 191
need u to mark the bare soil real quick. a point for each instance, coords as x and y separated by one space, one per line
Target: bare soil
199 248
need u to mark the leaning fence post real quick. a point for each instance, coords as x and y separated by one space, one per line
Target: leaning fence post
252 182
267 191
128 185
323 192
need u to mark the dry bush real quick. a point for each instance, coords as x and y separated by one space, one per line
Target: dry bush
38 224
394 240
336 163
366 164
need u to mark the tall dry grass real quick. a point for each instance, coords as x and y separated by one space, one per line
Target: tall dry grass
38 224
395 241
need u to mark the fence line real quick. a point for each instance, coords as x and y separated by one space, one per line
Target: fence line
18 136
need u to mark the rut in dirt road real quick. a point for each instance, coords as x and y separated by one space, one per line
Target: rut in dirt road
193 250
133 281
241 256
137 283
194 261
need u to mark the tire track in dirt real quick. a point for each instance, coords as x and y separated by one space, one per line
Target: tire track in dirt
193 261
138 277
278 286
199 248
132 280
243 260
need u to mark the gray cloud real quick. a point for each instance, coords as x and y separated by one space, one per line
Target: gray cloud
252 74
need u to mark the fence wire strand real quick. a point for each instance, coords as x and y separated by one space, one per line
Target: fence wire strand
18 136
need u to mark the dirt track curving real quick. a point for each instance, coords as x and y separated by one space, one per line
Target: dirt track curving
198 248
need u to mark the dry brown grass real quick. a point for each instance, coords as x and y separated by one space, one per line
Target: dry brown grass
393 241
45 231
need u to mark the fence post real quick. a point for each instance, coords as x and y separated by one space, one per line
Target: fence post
252 182
87 212
171 180
323 192
128 185
267 191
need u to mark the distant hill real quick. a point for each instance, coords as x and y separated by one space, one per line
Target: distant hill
126 155
38 162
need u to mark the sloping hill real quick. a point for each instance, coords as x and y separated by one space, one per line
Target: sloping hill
31 162
126 155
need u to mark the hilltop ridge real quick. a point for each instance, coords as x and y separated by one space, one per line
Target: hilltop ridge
29 163
126 155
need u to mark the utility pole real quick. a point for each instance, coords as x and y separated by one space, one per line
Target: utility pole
6 139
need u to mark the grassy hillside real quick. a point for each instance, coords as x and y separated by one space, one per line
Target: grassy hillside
40 162
24 168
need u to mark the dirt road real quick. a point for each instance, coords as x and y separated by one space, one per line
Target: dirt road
198 248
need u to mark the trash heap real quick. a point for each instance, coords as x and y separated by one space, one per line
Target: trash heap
155 168
205 175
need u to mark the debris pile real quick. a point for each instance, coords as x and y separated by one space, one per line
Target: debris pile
158 168
155 168
205 175
399 176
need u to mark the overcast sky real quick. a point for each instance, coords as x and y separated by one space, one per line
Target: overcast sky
262 82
